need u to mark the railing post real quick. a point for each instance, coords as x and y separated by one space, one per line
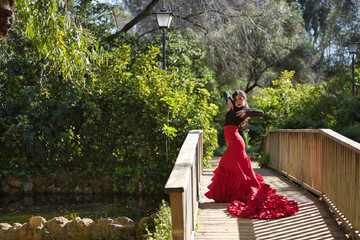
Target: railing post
183 186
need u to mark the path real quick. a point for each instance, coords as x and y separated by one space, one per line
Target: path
313 221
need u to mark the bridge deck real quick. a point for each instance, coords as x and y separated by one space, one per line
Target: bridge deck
314 220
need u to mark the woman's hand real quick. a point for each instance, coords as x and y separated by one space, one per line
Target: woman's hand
240 113
230 105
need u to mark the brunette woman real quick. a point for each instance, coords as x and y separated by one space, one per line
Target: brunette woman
235 181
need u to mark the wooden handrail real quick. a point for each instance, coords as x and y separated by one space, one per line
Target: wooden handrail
183 186
323 162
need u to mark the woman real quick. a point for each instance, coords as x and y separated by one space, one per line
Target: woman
235 181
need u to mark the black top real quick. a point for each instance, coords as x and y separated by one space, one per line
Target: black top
232 119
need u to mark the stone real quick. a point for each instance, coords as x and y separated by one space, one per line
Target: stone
104 221
140 187
53 189
40 188
106 185
79 228
5 188
118 231
16 226
14 182
4 228
147 222
77 189
84 223
24 232
56 227
101 230
88 190
28 187
37 222
13 233
124 221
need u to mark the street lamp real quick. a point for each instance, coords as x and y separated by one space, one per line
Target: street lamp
164 19
353 46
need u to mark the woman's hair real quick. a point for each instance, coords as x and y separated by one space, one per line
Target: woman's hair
243 95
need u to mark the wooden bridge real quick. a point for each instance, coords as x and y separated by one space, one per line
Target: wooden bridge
320 169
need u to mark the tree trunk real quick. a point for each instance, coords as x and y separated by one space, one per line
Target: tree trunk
7 8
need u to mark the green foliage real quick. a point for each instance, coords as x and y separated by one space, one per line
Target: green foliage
128 124
70 216
58 40
257 43
163 224
278 101
325 105
263 160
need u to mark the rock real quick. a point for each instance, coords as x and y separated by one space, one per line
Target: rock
4 228
37 225
84 223
118 231
5 188
56 227
37 222
13 232
77 189
124 221
104 221
79 228
28 187
147 222
40 188
140 187
101 230
14 182
53 189
60 228
88 190
106 185
24 232
16 226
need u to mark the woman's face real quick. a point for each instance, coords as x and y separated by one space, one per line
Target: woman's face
239 101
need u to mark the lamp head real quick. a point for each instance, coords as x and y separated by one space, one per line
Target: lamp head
164 18
353 46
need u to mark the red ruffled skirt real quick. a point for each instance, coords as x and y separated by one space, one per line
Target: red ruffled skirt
236 182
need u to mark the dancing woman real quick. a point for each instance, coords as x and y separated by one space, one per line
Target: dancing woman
235 181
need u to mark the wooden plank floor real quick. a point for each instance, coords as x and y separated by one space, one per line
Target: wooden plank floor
313 221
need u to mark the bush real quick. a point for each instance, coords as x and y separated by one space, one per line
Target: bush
127 124
263 160
324 105
163 224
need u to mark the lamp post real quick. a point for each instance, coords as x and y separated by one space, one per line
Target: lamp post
164 18
353 46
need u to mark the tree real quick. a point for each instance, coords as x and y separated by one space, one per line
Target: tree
244 40
255 42
7 8
330 24
59 40
115 126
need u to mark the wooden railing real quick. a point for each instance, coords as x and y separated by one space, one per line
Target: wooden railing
323 162
183 186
